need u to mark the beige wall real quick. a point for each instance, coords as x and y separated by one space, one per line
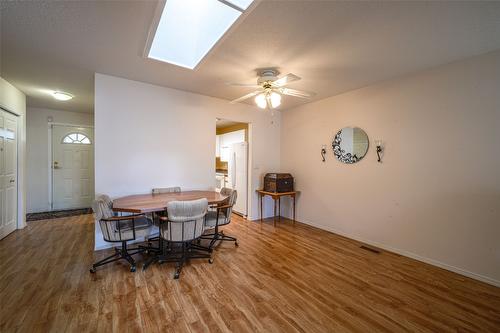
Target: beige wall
149 136
14 101
37 149
436 196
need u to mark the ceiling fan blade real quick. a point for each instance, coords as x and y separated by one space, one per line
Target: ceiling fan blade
296 93
247 96
285 80
249 85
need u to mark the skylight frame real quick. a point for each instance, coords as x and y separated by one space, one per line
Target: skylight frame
156 21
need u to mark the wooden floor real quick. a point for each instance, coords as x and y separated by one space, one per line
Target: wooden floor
283 279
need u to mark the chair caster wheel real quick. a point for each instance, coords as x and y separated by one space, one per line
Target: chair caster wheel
132 269
210 261
236 244
92 270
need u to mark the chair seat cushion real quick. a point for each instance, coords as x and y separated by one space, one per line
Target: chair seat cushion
211 219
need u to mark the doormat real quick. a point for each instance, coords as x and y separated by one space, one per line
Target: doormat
57 214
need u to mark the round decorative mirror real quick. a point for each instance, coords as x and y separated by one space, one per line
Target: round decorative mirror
350 145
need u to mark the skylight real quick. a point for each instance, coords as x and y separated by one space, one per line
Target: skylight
188 29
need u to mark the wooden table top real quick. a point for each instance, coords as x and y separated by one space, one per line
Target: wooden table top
146 203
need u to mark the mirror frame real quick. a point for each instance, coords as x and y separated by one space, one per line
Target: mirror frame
341 155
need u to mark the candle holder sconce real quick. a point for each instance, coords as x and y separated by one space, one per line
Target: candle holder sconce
380 150
323 152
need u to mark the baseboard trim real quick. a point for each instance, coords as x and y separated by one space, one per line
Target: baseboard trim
408 254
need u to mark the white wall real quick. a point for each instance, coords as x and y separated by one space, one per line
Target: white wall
436 196
13 100
37 148
149 136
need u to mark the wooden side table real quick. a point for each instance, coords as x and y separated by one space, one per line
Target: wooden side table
276 197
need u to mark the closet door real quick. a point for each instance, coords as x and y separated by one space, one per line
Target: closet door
8 173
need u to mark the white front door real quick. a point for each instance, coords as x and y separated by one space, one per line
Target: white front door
8 173
72 167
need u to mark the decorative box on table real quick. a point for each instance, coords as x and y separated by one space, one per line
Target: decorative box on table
278 182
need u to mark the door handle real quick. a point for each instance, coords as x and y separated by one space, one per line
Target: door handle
56 165
12 181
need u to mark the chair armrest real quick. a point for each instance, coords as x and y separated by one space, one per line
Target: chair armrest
123 218
224 207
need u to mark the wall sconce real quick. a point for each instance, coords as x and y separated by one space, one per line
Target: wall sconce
378 143
323 152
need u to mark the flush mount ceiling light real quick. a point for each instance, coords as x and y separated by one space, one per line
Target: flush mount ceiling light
62 96
188 29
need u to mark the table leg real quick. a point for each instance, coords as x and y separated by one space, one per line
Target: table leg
274 217
279 209
293 196
260 194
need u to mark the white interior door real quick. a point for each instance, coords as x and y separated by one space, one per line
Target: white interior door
8 173
72 167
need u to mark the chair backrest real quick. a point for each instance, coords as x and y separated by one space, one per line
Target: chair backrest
229 201
112 231
185 220
232 200
226 191
160 190
102 207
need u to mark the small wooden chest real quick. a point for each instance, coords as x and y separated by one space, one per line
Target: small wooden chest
278 182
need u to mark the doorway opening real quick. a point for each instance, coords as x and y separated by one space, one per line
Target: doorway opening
71 152
231 160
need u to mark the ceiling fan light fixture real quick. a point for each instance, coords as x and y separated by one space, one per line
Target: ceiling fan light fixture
260 100
275 100
270 89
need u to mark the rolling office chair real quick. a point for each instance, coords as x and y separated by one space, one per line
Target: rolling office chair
183 224
120 229
219 217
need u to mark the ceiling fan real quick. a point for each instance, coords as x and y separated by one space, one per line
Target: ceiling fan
270 89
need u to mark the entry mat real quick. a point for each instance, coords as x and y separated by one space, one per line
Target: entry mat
57 214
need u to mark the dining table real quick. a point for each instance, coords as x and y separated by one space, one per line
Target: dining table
151 203
154 203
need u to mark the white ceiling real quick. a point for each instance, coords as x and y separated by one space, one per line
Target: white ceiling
334 46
